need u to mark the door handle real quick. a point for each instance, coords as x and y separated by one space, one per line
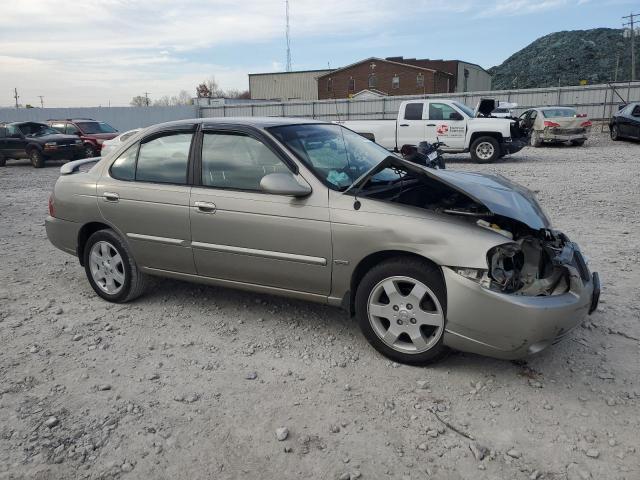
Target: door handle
431 124
404 124
111 196
205 207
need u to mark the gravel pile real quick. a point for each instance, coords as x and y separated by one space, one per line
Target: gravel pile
201 383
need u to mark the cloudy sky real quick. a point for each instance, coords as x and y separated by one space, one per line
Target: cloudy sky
101 52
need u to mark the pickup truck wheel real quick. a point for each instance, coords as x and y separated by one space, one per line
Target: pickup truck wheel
485 150
613 131
400 306
36 157
111 269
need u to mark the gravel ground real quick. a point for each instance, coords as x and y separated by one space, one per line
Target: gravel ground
202 383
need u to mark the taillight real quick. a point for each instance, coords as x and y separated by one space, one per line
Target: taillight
586 124
52 209
547 123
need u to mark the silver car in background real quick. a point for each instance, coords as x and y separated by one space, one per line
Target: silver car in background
109 145
425 259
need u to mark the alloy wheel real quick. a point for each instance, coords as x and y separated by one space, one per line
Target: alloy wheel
405 314
485 150
107 267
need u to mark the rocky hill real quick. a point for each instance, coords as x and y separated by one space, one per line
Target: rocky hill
566 58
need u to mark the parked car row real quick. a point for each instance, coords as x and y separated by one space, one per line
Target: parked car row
56 139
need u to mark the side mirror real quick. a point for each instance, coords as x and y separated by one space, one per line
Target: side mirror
284 184
455 116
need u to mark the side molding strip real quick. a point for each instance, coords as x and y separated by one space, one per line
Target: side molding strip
291 257
152 238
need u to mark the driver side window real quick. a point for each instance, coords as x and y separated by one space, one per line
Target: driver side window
441 111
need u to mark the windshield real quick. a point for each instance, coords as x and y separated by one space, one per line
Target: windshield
37 130
95 127
336 155
558 112
468 111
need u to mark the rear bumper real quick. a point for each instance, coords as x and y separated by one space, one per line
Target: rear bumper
553 135
506 326
63 234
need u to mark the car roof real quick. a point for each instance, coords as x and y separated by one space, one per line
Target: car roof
23 123
257 122
71 120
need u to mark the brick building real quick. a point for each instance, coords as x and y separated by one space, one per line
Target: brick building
385 76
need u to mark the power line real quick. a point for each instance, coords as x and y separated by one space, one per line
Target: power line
288 37
630 24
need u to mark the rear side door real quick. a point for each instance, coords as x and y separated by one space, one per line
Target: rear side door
145 195
411 128
242 234
446 124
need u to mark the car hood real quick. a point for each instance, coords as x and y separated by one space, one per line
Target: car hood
101 136
496 193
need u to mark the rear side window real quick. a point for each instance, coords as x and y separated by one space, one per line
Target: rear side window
413 111
124 168
237 161
164 159
58 126
72 129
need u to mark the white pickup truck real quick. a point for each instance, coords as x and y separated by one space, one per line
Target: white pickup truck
458 126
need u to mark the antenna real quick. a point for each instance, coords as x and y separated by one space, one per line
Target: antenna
288 37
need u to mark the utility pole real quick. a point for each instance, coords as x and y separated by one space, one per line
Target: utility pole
16 96
630 24
146 98
288 37
41 101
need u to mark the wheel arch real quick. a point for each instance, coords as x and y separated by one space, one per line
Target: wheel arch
476 135
368 262
84 233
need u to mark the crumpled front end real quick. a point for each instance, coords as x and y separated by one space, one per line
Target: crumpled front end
534 291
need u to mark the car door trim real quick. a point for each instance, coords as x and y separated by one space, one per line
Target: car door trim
153 238
291 257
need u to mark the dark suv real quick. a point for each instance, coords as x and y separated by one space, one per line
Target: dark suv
91 132
37 142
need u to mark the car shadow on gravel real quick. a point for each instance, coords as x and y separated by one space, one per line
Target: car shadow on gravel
25 162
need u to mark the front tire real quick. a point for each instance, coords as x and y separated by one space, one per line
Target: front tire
401 309
485 150
36 157
111 269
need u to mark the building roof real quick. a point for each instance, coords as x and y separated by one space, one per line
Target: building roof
376 59
400 60
326 70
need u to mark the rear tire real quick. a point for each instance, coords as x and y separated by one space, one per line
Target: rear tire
485 150
416 303
614 133
111 269
577 143
535 141
36 157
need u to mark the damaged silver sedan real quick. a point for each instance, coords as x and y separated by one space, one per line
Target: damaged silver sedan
425 259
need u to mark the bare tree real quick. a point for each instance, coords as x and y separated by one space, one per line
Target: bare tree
183 98
138 101
235 93
202 91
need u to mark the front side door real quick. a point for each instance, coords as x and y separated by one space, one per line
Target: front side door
15 142
242 234
145 196
411 125
445 124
